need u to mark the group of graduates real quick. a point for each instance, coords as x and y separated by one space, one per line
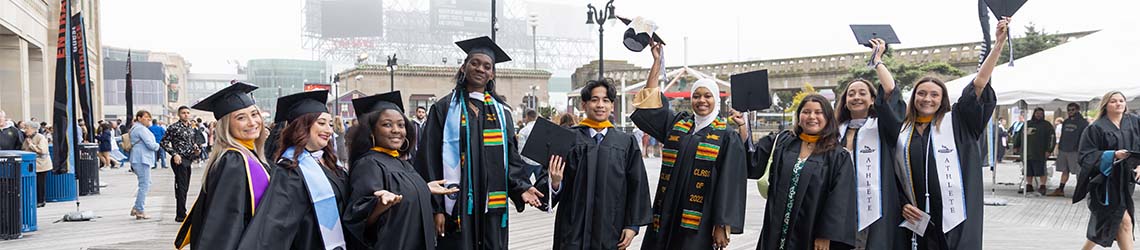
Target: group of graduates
843 178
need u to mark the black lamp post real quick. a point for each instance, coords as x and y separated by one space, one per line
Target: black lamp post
392 65
595 16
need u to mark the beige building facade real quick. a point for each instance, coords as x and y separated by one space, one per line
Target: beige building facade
28 40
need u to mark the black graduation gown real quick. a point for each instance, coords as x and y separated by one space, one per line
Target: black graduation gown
285 218
728 195
222 211
407 225
1109 196
971 114
479 230
824 206
884 233
604 190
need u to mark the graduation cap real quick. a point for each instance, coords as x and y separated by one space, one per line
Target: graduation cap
229 99
379 102
640 31
292 106
547 139
865 32
750 91
484 45
1004 8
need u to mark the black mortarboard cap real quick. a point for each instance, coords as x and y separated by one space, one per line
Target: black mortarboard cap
865 32
378 102
547 139
229 99
292 106
484 45
1004 8
637 36
750 91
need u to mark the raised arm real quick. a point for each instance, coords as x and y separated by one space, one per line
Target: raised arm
647 98
884 74
987 68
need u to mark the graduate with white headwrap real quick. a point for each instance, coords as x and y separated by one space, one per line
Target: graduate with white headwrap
701 190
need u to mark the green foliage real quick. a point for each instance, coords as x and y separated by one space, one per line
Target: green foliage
905 73
806 90
547 112
1033 41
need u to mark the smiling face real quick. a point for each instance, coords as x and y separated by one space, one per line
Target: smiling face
389 130
858 99
599 106
703 101
246 123
479 70
1116 105
811 118
927 98
320 132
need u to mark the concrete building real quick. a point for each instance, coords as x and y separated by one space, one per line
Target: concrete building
280 77
199 86
158 79
28 32
423 85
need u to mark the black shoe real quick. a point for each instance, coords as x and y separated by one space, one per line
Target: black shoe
180 218
41 204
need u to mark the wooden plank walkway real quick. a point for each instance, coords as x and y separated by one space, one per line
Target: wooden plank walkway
1026 223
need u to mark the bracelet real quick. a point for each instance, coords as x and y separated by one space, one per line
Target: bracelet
877 64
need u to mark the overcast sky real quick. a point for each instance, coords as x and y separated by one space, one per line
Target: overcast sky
210 32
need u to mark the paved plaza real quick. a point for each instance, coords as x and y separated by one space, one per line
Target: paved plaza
1025 223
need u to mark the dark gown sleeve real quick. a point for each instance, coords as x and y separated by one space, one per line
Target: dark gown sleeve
757 158
654 122
569 173
280 213
365 178
518 181
837 219
428 162
227 190
1092 142
973 112
731 185
639 210
890 111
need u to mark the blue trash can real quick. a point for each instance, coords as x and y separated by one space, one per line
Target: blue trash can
28 192
11 216
60 187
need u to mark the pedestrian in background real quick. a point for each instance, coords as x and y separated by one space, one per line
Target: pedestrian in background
37 143
1068 159
144 149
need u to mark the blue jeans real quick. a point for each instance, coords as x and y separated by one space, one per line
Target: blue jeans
142 170
160 158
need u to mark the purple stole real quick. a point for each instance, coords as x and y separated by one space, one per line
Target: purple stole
258 179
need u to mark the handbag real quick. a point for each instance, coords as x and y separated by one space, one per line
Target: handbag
762 184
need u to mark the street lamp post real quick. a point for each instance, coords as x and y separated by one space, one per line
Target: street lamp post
595 16
534 35
392 65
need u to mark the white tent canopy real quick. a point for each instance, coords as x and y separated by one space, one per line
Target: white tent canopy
1077 71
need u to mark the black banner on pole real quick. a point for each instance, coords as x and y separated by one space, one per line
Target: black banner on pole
63 112
79 66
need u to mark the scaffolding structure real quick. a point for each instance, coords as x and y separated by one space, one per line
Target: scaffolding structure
408 31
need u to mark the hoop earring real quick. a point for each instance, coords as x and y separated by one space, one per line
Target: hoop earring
406 146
